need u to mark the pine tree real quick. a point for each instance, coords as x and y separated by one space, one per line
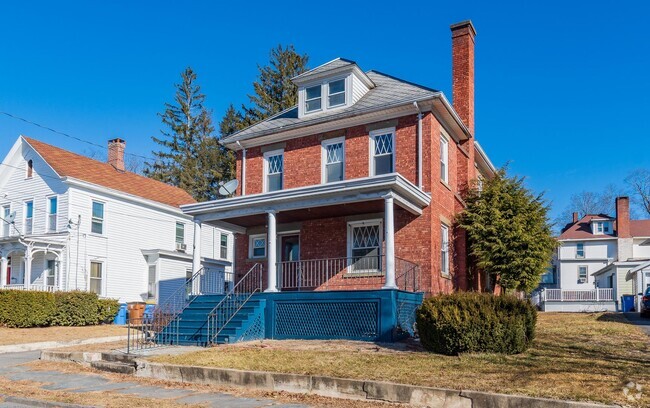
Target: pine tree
231 122
190 157
508 232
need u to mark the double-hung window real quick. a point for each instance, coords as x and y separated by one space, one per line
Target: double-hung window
223 247
97 223
580 250
599 227
96 277
382 145
257 246
6 225
50 272
52 210
364 245
336 93
444 159
444 249
29 217
582 273
333 160
180 233
313 98
274 170
151 282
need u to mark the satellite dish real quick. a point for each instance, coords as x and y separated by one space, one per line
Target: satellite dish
11 218
228 188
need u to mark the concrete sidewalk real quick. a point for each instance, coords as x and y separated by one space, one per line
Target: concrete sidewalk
11 367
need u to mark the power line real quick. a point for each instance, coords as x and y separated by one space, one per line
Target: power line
70 136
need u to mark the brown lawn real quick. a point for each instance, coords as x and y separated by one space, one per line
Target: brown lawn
588 357
40 334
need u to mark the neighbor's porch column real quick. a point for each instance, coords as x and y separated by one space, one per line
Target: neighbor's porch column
389 228
271 236
4 263
196 256
27 279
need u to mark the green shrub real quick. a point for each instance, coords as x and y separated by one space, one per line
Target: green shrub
26 308
76 309
475 322
107 310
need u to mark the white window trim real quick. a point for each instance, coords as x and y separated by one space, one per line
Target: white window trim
371 150
176 224
323 156
578 256
28 200
103 278
49 208
250 246
324 94
351 226
222 234
103 203
446 228
304 103
45 271
345 93
586 278
444 158
4 224
265 181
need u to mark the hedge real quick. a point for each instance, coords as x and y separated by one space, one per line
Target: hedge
20 308
475 322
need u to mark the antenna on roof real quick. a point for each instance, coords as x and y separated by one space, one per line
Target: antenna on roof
228 188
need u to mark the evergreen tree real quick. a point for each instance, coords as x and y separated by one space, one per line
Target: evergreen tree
190 157
232 121
508 232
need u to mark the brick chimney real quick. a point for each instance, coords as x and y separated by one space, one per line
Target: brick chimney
623 217
462 71
575 217
116 153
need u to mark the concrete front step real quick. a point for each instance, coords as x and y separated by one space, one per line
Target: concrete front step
113 367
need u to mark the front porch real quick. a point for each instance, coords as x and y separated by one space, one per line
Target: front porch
587 300
32 262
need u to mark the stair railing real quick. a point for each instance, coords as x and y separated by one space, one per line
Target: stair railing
234 301
161 326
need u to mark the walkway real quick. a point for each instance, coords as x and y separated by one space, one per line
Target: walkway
11 368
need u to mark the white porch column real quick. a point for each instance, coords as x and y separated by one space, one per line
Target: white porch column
271 237
28 267
389 238
4 263
196 256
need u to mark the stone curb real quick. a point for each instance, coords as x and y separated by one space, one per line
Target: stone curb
415 396
17 348
37 403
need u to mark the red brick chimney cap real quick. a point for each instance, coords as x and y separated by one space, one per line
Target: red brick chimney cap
464 24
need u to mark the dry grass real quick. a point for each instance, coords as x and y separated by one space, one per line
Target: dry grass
575 356
39 334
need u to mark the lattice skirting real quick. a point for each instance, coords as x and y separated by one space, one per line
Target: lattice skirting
406 316
256 330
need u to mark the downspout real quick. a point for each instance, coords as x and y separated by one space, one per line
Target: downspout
419 141
243 169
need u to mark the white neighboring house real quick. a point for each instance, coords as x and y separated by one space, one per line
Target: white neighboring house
592 268
68 222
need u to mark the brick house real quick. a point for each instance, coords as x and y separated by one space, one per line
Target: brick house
357 187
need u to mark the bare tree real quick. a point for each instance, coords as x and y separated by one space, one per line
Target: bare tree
639 182
590 202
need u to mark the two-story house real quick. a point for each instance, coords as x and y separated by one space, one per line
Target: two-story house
593 262
68 222
357 186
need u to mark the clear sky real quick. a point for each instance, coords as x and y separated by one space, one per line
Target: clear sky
562 88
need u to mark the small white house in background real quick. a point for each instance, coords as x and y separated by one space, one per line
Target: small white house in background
595 260
68 222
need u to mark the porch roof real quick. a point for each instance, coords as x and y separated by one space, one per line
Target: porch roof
36 243
321 199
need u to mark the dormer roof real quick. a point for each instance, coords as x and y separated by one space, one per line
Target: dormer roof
332 68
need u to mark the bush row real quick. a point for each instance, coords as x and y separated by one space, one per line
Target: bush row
475 322
20 308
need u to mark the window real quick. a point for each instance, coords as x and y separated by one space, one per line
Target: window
257 246
274 168
29 217
444 249
50 275
313 98
97 226
364 245
6 225
52 210
383 151
151 282
223 248
580 250
180 233
582 274
599 227
444 159
333 160
549 276
96 277
30 169
606 227
336 93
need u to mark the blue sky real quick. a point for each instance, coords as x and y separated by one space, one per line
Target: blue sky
561 87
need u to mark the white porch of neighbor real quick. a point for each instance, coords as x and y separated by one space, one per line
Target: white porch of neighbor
32 263
576 300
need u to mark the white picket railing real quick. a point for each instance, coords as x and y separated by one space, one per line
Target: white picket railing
40 288
578 295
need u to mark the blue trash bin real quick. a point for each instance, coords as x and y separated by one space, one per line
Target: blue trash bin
120 317
627 303
148 312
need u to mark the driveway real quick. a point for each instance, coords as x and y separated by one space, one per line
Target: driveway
636 319
11 368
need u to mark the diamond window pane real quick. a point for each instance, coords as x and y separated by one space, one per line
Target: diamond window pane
334 153
337 86
384 144
366 236
275 164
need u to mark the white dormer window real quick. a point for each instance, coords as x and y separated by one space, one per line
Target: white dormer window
606 228
336 93
313 101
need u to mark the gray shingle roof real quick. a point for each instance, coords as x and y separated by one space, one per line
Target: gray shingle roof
334 64
389 91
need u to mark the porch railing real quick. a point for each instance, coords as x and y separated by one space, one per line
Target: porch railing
350 273
235 299
161 326
578 295
40 288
